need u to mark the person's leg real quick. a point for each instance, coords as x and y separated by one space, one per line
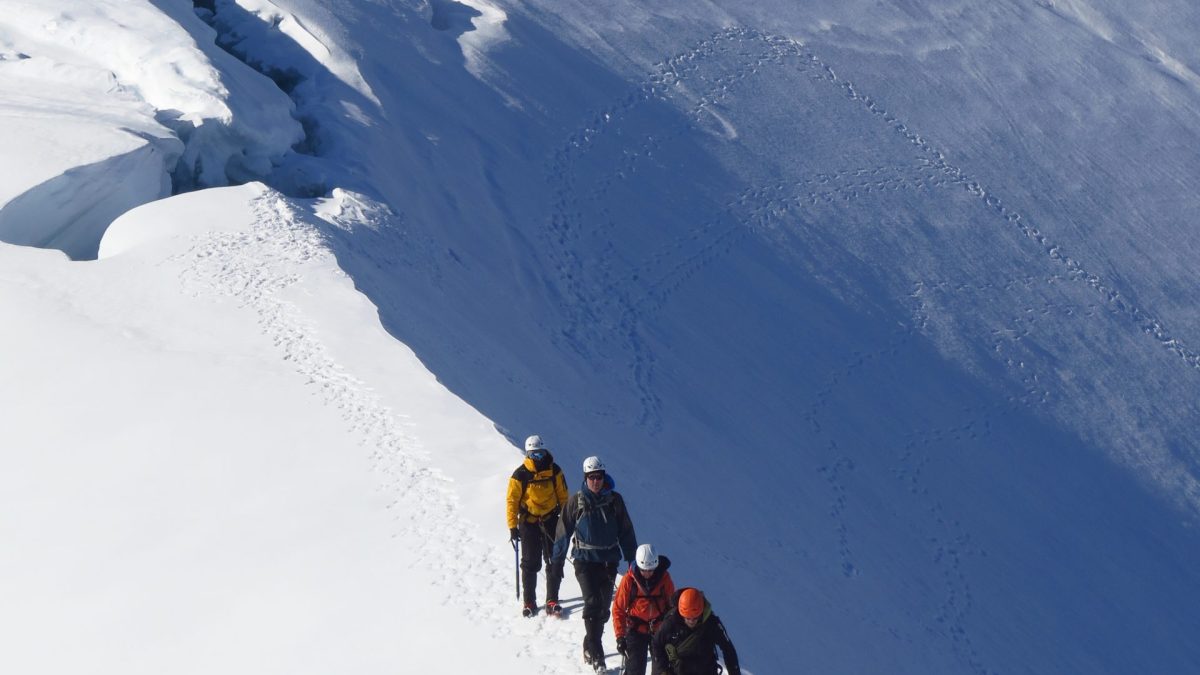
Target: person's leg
554 571
637 648
531 561
608 571
606 579
585 575
596 586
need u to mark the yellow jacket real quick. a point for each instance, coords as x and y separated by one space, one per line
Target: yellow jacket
535 492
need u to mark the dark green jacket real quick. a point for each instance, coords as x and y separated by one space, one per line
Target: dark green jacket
693 651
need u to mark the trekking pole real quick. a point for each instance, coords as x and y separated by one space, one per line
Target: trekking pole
516 568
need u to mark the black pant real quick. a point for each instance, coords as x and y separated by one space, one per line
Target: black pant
596 581
637 649
537 541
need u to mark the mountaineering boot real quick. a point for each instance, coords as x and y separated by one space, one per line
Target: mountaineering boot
592 646
529 610
553 608
554 577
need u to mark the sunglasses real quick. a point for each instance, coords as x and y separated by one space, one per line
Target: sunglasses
594 476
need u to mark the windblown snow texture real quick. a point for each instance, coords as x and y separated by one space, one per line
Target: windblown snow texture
882 314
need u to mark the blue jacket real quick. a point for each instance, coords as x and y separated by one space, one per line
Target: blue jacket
598 526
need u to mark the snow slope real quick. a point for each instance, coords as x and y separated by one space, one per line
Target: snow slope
882 314
200 482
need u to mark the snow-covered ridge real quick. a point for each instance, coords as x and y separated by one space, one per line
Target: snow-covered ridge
260 31
296 483
882 314
180 113
270 257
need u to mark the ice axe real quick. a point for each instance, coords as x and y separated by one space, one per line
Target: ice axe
516 568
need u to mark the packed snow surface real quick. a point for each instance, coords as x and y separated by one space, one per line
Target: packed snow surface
882 315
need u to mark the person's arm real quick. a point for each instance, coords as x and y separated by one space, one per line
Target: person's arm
626 536
620 601
512 502
560 488
721 638
566 527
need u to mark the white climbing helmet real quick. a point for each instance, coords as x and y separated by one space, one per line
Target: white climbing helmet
592 465
534 442
647 557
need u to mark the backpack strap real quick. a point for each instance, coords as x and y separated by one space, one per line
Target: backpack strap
654 598
523 477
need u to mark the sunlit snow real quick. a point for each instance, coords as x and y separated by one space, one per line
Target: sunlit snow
882 314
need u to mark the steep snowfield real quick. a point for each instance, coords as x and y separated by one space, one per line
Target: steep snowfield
883 316
861 296
218 462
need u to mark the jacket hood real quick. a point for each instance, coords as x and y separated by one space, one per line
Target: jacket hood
609 486
544 465
664 563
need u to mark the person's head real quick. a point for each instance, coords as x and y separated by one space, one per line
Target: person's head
533 444
594 474
647 559
691 606
535 449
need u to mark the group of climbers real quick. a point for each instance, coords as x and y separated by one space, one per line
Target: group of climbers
675 630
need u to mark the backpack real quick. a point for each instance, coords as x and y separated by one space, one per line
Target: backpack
525 477
609 508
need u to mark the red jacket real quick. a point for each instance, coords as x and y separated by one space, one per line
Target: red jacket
641 603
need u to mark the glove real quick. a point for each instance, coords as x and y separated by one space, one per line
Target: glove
621 645
514 534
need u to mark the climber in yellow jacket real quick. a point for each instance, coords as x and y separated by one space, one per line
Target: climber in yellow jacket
536 494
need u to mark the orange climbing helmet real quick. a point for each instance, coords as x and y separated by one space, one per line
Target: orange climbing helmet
691 603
